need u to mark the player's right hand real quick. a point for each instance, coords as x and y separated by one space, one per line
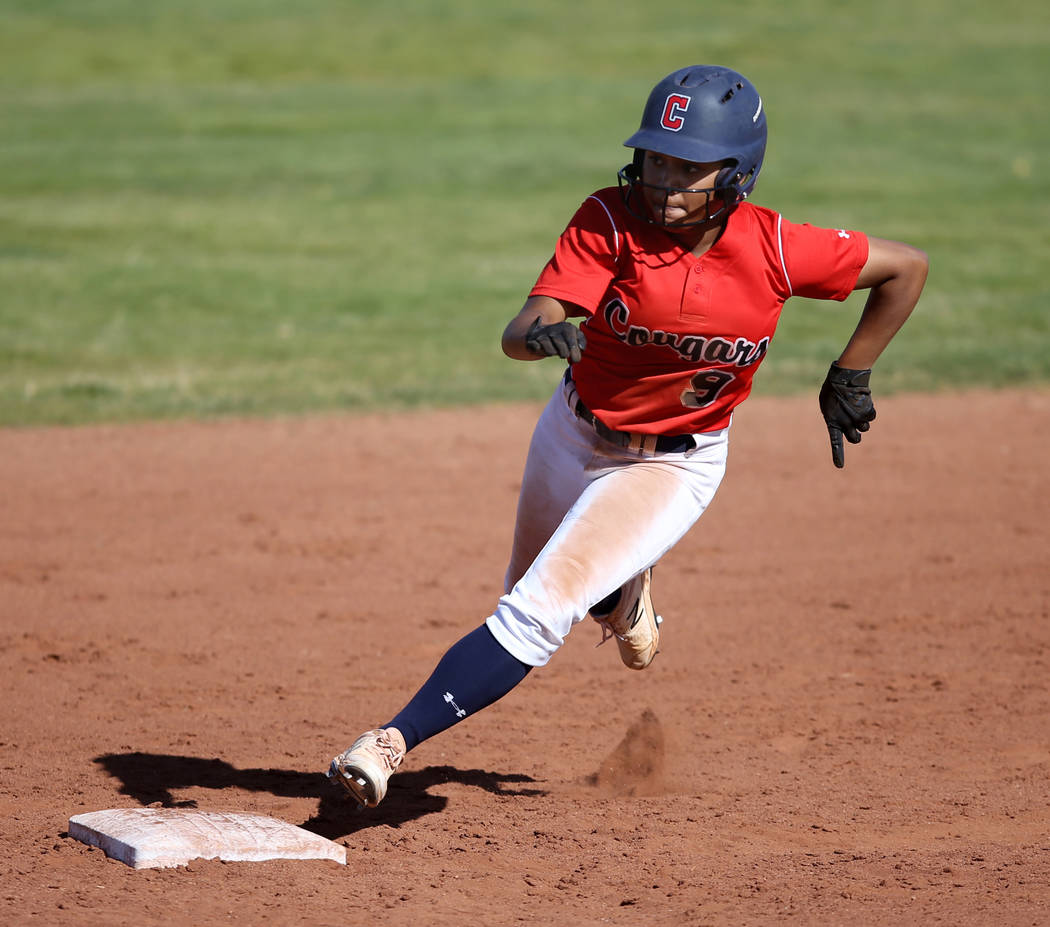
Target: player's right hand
562 339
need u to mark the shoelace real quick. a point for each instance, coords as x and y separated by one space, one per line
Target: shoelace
607 632
391 755
382 748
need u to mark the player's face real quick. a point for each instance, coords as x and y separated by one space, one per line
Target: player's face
678 192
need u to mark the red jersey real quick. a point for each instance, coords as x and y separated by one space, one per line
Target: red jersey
673 341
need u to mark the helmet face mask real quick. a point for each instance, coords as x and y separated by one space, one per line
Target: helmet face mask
701 114
634 191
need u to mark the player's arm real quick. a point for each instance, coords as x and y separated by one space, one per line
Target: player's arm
895 273
541 329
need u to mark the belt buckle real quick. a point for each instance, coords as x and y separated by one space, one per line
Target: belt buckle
642 444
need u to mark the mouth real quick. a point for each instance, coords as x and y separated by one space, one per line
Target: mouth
667 213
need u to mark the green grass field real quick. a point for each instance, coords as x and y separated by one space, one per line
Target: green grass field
243 207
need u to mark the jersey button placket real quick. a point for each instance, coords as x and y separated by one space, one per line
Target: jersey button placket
693 296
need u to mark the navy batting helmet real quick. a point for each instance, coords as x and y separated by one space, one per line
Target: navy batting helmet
704 113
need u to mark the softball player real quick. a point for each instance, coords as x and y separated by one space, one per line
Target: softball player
679 282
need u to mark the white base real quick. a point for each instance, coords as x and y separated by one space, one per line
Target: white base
151 838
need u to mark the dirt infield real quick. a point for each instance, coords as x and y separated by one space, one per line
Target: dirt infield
849 721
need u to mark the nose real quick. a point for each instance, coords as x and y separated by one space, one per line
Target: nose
658 173
671 176
664 175
675 182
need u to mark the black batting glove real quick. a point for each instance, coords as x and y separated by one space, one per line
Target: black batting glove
845 403
562 339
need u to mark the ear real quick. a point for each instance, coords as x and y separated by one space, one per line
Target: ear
728 182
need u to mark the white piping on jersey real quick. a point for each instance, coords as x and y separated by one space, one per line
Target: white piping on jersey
612 222
783 265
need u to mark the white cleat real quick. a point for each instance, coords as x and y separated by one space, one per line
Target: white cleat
367 766
633 622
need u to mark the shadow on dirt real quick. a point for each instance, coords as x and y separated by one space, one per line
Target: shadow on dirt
152 778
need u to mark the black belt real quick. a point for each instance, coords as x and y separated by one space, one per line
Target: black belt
664 444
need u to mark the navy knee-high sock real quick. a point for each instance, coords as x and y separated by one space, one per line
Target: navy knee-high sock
475 672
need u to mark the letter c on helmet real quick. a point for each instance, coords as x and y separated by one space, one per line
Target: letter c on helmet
674 107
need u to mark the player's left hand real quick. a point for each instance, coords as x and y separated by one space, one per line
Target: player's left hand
845 402
562 339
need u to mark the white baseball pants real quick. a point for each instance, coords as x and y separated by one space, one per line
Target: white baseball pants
591 516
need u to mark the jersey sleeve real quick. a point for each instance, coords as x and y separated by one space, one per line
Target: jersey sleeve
821 263
584 260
